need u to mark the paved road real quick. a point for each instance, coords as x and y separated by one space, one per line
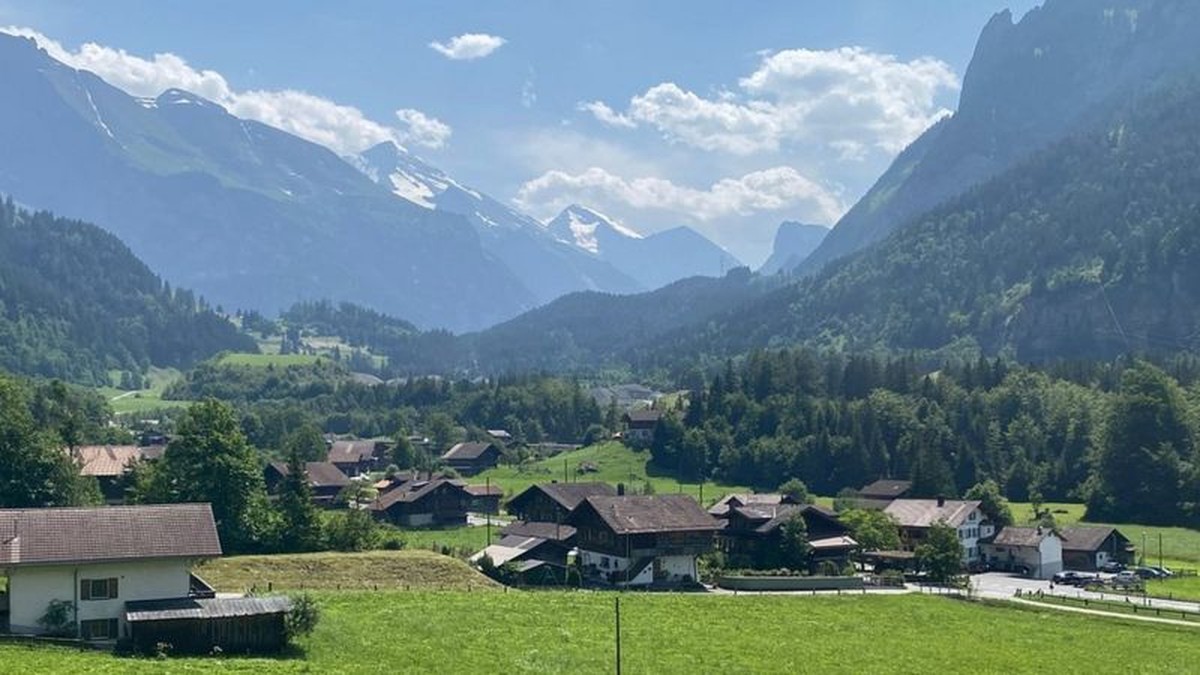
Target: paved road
1004 586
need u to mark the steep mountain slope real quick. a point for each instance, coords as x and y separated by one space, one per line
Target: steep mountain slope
247 214
548 267
74 303
1088 249
1029 84
654 260
793 243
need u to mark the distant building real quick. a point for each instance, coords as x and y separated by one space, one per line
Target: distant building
484 498
109 464
752 533
1036 551
642 540
916 516
553 502
471 458
424 503
882 492
640 425
355 458
324 479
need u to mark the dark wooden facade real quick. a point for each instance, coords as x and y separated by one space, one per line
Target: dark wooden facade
753 537
257 634
442 502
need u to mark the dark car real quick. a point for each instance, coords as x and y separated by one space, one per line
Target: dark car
1148 573
1112 567
1066 578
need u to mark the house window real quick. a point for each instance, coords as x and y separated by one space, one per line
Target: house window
604 562
98 589
98 629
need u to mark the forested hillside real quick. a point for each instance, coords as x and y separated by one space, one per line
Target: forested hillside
75 303
1119 435
1088 250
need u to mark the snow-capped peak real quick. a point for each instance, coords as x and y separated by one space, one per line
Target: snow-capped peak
584 227
409 176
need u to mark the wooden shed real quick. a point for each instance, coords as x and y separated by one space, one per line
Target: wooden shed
198 625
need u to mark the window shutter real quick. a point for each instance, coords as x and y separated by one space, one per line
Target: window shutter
85 589
112 588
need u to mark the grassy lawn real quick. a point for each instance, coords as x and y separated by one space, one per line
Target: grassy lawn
615 463
1179 544
342 571
464 538
557 632
264 360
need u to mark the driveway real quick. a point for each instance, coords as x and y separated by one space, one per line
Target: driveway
1004 586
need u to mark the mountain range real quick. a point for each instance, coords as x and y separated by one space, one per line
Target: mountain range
255 218
794 243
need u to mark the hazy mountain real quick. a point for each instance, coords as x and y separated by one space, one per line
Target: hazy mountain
247 214
75 303
793 243
1028 84
653 260
548 267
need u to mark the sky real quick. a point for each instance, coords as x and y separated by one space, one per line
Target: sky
729 117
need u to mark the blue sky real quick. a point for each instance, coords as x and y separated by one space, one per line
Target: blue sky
729 117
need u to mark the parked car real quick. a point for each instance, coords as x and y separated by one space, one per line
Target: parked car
1162 572
1071 578
1112 567
1148 573
1126 579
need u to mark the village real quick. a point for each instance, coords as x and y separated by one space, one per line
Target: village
125 575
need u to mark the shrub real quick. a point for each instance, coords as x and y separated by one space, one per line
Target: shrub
302 618
59 619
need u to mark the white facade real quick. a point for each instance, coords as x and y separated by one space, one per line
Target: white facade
672 568
31 589
1043 562
970 532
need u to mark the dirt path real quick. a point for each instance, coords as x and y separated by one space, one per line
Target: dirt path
1097 612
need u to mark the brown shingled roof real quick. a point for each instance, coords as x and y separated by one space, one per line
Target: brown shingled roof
1021 536
467 451
346 452
412 492
551 531
885 489
107 460
78 535
320 474
927 512
633 514
1085 538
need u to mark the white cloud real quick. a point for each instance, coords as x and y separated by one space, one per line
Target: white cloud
770 190
848 99
341 128
422 129
605 114
529 91
468 46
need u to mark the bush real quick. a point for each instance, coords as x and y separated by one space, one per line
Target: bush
303 616
59 619
352 530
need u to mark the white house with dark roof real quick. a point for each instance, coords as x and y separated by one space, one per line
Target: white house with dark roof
97 560
916 516
1036 551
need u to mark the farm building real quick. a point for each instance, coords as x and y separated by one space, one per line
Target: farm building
470 458
916 516
553 502
423 503
355 458
640 425
108 464
325 480
1089 548
642 540
753 534
484 498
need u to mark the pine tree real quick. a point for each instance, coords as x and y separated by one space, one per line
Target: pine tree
301 522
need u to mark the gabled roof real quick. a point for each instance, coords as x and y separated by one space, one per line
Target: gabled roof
413 492
634 514
927 512
567 495
175 609
468 451
109 460
549 531
1028 537
1084 538
320 474
728 502
885 489
643 417
352 452
771 516
114 533
484 490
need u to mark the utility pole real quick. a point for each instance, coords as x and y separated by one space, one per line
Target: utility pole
1160 557
565 470
618 613
488 492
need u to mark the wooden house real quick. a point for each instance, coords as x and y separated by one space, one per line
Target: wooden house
752 536
109 465
355 458
916 516
1035 551
424 503
484 498
642 540
553 502
471 458
1090 548
324 479
639 427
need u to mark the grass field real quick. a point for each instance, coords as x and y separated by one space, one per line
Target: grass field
343 571
615 463
142 400
264 360
465 538
564 632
